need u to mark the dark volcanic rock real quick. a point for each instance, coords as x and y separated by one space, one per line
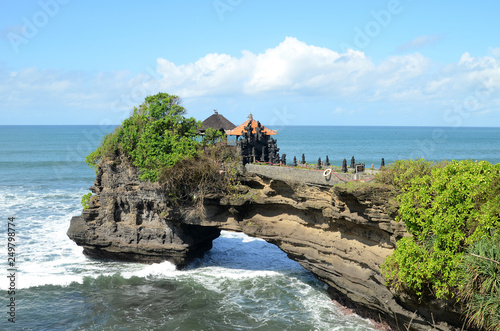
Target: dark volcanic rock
131 220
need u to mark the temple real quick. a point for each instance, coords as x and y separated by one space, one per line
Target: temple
217 122
255 142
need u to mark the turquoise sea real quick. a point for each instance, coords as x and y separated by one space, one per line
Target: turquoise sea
243 283
370 144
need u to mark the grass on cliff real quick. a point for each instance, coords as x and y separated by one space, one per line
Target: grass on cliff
164 145
480 284
448 208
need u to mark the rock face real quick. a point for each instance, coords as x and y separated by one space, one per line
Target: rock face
131 220
341 234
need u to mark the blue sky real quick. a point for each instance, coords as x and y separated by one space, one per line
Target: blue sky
394 62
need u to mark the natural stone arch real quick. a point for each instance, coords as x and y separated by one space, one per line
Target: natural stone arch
342 234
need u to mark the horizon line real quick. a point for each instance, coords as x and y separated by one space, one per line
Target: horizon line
294 125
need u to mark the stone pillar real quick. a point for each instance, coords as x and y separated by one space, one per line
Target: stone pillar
344 166
263 156
283 159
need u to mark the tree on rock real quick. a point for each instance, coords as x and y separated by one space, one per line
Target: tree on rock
157 135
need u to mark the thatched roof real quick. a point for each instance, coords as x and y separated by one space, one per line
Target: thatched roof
238 131
217 122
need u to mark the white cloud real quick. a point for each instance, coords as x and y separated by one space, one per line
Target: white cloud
296 68
292 68
469 62
399 77
41 89
478 76
213 74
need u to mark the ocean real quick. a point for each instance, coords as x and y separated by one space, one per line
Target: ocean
243 283
370 144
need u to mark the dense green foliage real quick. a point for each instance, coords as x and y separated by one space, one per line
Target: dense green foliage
155 136
400 173
85 200
165 146
446 207
480 283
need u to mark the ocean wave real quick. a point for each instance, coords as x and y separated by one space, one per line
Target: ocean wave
54 259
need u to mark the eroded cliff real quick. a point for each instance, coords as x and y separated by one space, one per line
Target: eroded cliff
131 220
341 234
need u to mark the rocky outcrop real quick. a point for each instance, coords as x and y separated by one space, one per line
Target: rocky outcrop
341 234
132 220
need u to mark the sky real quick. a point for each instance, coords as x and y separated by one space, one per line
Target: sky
288 62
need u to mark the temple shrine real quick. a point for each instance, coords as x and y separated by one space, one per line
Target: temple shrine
216 121
255 142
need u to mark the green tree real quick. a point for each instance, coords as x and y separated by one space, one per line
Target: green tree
157 135
213 136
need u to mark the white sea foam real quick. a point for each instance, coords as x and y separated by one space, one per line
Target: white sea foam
45 255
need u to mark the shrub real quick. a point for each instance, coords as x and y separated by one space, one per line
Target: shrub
213 170
213 136
401 172
446 207
85 200
190 180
